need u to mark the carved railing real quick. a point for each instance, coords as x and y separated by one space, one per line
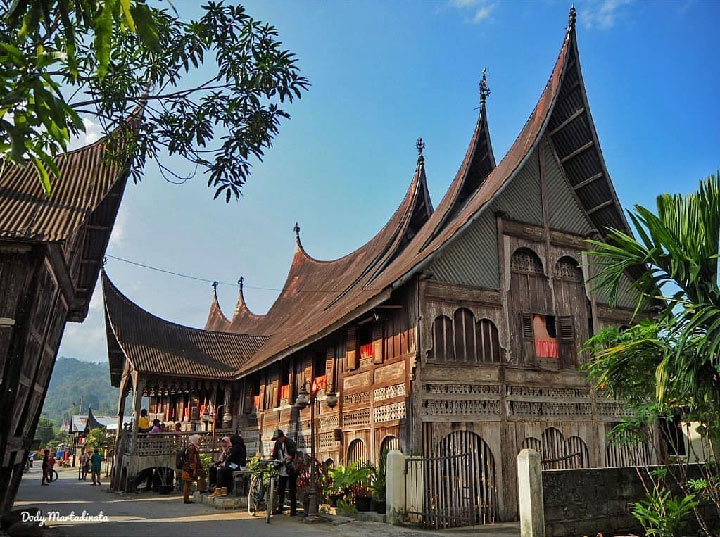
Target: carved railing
161 444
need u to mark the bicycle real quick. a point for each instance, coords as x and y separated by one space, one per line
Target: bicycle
262 484
53 476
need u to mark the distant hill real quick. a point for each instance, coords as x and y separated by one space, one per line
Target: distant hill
75 384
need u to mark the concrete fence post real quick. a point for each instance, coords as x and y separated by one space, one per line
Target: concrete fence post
530 494
395 487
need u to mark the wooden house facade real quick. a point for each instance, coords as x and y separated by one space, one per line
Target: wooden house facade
51 251
454 330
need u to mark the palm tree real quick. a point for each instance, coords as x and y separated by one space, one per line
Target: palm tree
676 249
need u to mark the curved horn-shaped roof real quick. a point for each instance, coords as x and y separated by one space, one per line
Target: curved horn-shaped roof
562 114
154 345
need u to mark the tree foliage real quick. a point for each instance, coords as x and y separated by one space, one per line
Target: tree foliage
671 364
99 438
208 91
44 432
76 385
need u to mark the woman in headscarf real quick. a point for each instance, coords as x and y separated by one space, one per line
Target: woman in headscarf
192 469
235 460
220 463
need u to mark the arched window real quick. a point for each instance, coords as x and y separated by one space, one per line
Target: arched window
577 453
389 443
464 335
568 269
468 462
532 443
356 451
443 347
525 260
553 449
487 341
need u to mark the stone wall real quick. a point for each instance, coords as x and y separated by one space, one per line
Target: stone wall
594 500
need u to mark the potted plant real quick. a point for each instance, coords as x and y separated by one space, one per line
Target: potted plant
361 477
353 482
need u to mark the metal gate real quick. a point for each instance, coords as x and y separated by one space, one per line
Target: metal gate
456 488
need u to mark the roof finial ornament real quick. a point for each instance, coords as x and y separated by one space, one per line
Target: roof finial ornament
571 17
420 146
215 284
484 88
241 283
296 229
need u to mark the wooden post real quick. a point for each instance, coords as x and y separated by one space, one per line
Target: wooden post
139 385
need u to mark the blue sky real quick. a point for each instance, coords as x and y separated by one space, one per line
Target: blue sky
384 73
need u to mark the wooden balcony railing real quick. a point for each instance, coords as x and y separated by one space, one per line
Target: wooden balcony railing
169 443
285 392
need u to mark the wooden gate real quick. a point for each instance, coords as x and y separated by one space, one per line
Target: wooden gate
454 488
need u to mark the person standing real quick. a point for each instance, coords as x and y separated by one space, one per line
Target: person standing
84 464
192 469
285 451
95 465
51 466
45 467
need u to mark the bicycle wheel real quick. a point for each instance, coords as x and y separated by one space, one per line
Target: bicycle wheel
53 476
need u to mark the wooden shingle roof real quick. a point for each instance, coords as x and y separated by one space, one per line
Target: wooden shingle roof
561 113
156 346
27 213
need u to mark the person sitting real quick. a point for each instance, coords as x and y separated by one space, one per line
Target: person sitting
235 459
156 428
143 422
219 465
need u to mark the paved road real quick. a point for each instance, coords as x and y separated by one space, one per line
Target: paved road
153 515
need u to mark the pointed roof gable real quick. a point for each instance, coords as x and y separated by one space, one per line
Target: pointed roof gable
216 320
313 286
479 161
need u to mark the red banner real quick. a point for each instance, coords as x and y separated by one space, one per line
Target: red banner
546 348
366 351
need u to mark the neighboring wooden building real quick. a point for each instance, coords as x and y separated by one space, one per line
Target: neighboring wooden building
51 250
451 331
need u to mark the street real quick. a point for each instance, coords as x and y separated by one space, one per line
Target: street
133 515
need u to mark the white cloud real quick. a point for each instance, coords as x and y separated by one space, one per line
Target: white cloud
483 13
601 14
118 233
92 133
475 10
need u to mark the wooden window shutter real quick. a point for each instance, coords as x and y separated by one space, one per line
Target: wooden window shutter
527 327
377 335
351 350
330 368
566 329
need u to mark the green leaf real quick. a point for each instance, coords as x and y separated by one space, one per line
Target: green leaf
103 26
127 15
42 174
